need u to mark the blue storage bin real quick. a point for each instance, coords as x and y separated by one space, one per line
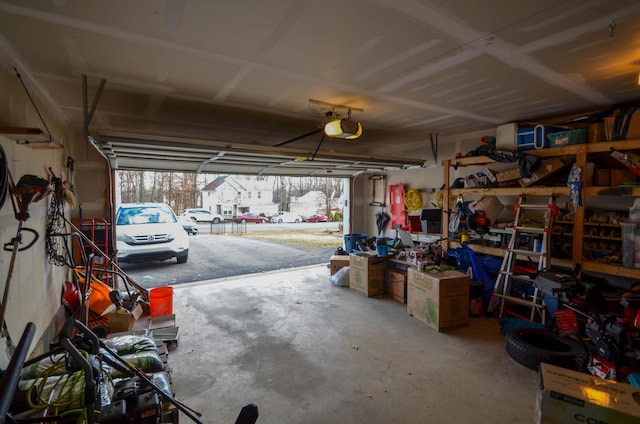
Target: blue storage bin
532 138
350 241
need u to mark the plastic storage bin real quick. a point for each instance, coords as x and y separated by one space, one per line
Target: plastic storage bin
564 138
350 241
431 221
529 138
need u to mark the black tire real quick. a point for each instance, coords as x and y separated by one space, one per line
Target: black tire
297 221
216 220
530 346
182 258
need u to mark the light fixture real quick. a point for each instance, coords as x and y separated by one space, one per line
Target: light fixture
336 127
343 128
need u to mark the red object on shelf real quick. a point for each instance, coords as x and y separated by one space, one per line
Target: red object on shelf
396 206
415 226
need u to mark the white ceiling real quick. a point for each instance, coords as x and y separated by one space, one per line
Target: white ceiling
221 86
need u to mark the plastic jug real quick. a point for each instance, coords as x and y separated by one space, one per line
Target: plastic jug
381 246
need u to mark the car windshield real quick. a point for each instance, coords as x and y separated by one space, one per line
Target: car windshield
144 215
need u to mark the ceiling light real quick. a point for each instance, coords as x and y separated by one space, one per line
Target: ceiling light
343 128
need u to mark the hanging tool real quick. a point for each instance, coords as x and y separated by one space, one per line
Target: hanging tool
29 189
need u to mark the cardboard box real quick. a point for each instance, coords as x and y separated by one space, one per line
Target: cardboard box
568 396
603 178
510 175
118 323
397 265
366 274
632 128
621 176
438 299
547 168
337 262
397 286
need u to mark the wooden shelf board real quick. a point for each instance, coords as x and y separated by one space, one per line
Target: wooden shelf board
613 191
30 137
599 147
512 191
610 269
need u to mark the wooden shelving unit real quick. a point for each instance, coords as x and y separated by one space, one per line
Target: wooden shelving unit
580 153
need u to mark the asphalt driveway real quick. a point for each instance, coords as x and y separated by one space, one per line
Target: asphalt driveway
219 256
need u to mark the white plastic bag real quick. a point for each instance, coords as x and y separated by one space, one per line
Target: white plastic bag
341 278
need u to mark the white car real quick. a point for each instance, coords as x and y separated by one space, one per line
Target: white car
202 215
149 232
286 217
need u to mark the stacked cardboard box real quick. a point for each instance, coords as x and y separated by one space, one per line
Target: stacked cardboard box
438 299
337 262
397 279
366 274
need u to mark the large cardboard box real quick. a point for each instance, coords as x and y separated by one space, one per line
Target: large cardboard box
337 262
366 274
568 396
438 299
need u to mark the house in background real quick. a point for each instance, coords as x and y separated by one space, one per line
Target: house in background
315 202
311 203
231 196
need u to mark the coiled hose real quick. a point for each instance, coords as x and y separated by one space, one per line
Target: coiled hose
412 200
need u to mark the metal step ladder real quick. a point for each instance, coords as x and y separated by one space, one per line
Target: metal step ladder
502 291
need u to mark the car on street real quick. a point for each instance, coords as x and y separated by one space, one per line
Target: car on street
149 232
317 218
251 217
286 217
189 225
202 215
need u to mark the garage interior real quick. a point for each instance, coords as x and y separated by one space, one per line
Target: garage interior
92 87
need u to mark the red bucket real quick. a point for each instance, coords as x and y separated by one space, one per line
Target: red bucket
161 301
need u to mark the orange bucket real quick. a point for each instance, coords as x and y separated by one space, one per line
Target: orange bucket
161 301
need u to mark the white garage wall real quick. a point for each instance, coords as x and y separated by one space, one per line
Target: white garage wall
35 286
428 180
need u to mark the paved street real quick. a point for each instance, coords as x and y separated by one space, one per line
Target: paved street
219 256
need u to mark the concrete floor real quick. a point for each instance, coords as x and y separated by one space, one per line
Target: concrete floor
306 351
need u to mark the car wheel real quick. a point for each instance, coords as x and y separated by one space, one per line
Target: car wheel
244 221
216 220
531 346
297 221
264 221
182 258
